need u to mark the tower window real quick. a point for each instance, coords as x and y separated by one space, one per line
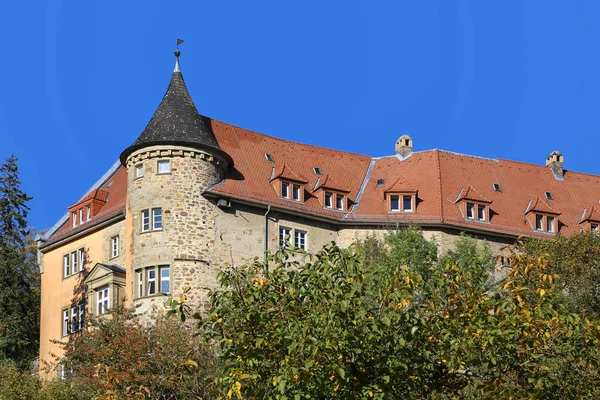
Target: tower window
497 187
549 196
164 167
139 171
269 157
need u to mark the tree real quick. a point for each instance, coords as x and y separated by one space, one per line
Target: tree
118 357
330 325
19 276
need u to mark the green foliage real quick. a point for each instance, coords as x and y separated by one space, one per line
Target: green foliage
576 261
17 385
341 324
19 276
118 357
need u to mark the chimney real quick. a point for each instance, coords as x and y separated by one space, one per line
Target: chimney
555 161
404 146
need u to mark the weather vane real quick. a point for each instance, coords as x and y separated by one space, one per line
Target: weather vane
177 53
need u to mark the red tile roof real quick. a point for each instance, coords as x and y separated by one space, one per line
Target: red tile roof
437 176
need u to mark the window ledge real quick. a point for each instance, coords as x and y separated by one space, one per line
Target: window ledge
479 221
76 273
152 296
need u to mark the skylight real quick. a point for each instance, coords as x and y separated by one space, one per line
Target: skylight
317 170
380 182
269 157
497 187
549 196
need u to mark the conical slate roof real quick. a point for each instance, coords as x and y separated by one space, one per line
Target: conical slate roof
176 121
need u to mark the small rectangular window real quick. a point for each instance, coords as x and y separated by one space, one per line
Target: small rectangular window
81 220
151 282
470 210
300 239
74 215
140 283
339 201
407 203
66 265
550 224
74 262
81 259
139 171
328 200
114 246
285 190
156 218
165 278
74 323
145 220
497 187
481 213
380 182
164 167
549 196
284 236
88 212
538 222
296 192
65 324
394 203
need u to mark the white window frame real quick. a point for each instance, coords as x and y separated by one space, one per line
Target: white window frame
285 236
481 208
539 222
593 227
396 198
139 171
157 225
550 222
102 300
410 200
88 212
296 194
81 220
145 220
160 163
300 239
140 282
114 246
471 211
339 201
151 281
74 322
67 265
285 190
81 255
74 262
65 322
328 200
81 320
74 215
163 279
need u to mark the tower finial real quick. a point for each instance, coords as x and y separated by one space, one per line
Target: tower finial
177 53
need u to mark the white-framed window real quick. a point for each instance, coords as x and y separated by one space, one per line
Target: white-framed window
328 200
139 171
81 220
114 246
285 190
296 193
480 212
594 227
394 203
140 283
539 221
88 212
339 201
103 300
165 278
470 210
145 220
284 236
407 203
151 289
74 262
300 239
156 219
81 318
74 315
65 322
74 216
81 259
550 224
148 283
66 265
164 166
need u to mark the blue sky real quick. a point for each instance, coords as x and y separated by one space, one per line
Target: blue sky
79 80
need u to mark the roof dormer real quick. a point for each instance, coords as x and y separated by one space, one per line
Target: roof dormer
401 196
541 216
87 208
288 184
590 219
473 205
331 194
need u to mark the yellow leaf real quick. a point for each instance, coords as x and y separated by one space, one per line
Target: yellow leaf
192 363
542 292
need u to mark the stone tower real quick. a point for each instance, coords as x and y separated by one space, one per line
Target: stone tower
170 230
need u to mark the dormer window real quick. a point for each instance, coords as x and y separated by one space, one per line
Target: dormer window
339 201
285 190
594 227
470 207
296 193
401 203
88 212
473 205
328 200
545 223
74 217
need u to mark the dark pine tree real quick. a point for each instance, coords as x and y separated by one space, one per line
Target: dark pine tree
19 276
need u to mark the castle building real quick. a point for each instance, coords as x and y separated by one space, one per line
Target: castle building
192 195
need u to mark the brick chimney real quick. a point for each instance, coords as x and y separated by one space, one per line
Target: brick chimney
555 161
404 146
